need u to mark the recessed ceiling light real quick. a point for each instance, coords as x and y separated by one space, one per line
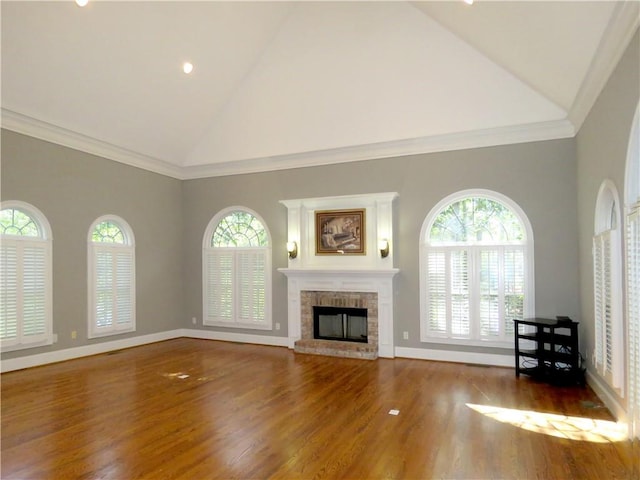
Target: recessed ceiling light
82 3
468 2
187 67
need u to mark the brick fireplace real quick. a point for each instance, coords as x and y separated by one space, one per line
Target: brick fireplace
363 300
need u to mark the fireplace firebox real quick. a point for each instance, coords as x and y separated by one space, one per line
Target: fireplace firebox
343 324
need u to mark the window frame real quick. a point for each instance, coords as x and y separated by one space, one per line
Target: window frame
43 241
473 275
208 251
117 249
608 352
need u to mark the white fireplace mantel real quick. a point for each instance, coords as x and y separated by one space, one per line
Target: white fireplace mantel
368 272
343 280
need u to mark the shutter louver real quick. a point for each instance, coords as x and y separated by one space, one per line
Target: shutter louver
220 286
123 288
459 285
34 291
437 292
633 309
104 288
9 291
489 293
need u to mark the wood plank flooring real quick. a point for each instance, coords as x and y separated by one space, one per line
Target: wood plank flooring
199 409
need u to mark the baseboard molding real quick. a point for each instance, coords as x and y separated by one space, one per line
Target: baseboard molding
235 337
84 351
104 347
609 400
456 357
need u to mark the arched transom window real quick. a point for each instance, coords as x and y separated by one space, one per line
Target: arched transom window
475 260
112 292
237 271
25 277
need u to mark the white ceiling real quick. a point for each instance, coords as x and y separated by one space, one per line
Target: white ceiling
285 84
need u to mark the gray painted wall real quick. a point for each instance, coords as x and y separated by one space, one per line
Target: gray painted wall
73 189
601 147
540 177
169 218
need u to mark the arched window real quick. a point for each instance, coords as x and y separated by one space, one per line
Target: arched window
632 261
237 271
112 286
607 256
476 269
25 277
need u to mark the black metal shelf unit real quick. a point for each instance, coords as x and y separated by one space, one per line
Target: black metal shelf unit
555 357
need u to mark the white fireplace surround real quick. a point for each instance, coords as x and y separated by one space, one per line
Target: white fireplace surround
342 273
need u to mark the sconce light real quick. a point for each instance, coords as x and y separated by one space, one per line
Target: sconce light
383 246
292 248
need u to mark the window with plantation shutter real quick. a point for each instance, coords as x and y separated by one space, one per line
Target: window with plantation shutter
111 277
476 262
633 312
607 278
25 277
236 271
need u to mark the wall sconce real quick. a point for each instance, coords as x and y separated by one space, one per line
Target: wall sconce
383 246
292 249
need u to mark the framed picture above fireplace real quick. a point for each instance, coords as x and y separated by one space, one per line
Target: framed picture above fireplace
340 232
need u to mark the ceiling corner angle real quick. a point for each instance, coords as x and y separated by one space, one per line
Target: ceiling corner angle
32 127
616 38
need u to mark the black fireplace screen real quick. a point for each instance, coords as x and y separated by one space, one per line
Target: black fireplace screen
340 323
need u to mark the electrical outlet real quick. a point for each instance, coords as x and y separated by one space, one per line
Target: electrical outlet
405 335
74 334
277 326
193 320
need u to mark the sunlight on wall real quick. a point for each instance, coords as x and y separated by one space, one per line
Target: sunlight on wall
562 426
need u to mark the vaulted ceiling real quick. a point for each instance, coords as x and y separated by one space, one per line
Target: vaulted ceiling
284 84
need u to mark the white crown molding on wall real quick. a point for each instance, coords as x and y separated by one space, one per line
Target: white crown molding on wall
615 40
441 143
51 133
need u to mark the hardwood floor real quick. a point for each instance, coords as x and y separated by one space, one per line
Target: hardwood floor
201 409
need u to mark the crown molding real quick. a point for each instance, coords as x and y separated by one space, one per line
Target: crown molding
615 40
531 132
23 124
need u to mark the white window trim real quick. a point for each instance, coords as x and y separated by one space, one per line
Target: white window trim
207 249
529 303
45 239
608 202
93 331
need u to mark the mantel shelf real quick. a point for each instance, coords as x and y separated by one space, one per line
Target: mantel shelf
360 272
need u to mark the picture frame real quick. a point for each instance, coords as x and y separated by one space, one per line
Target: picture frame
340 232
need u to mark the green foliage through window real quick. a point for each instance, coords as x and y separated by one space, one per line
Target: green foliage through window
16 222
107 232
474 220
239 229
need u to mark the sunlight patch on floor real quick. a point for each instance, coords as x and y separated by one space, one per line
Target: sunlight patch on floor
562 426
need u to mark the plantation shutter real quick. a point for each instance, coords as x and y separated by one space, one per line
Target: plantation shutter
633 302
459 293
490 293
437 292
251 285
219 295
513 286
123 286
114 288
603 304
23 288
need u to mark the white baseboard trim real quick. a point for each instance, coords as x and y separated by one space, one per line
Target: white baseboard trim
84 351
235 337
457 357
609 400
